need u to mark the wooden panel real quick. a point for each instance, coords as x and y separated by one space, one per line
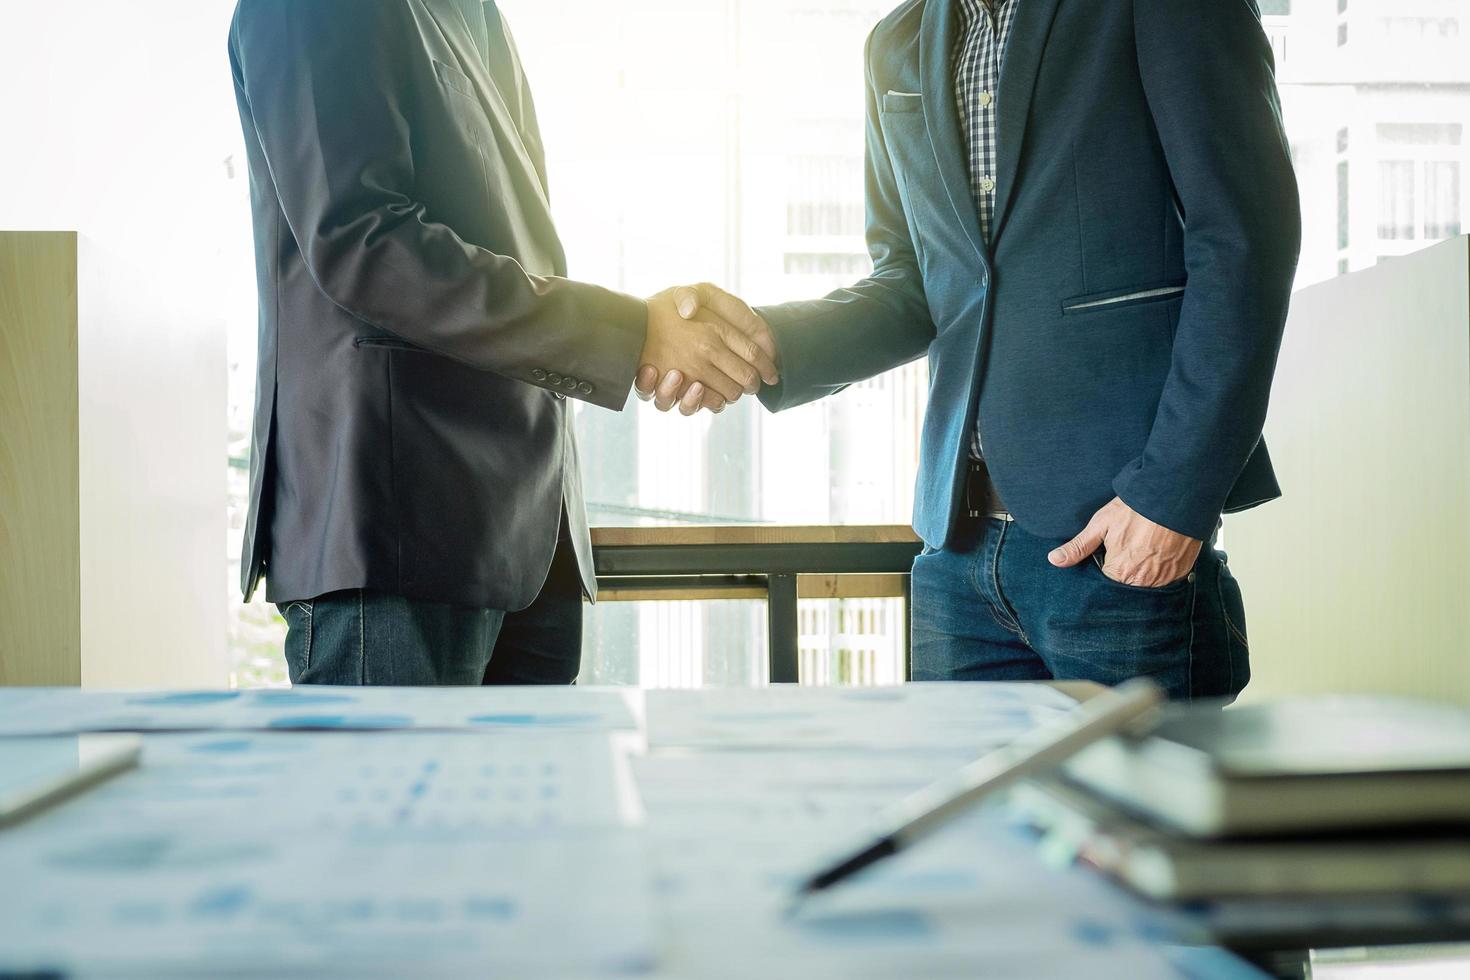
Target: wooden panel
616 537
851 586
807 587
112 481
40 531
695 593
1358 580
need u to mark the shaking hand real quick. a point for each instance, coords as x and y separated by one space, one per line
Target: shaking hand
737 346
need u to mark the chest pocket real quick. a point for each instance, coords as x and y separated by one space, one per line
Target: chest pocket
895 102
906 135
464 103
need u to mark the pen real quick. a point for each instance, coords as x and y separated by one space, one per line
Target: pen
915 818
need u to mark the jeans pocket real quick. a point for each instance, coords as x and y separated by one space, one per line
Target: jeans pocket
1101 630
1237 643
299 618
1172 587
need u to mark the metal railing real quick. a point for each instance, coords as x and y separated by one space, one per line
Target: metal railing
779 564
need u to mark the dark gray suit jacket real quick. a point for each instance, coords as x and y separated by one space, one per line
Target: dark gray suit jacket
418 341
1119 333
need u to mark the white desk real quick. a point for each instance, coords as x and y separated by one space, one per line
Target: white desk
577 832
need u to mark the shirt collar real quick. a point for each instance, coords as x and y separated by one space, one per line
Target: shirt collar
973 9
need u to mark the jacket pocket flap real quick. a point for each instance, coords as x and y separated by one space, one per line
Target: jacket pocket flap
1115 298
902 102
389 343
455 79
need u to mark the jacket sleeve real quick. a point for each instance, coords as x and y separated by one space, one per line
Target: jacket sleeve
1209 77
863 330
329 85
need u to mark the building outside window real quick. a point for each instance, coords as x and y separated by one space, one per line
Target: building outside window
1376 129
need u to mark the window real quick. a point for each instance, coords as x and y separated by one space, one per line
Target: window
1420 134
827 264
1275 8
819 194
1442 199
1420 28
1419 181
765 197
1396 200
1378 133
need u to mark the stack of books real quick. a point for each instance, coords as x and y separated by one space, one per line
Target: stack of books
1326 821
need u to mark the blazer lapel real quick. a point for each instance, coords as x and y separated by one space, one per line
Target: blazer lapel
518 93
1029 32
939 32
507 129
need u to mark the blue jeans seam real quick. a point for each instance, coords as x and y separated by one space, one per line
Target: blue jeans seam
361 640
1229 627
1225 614
310 608
996 612
1193 601
1007 610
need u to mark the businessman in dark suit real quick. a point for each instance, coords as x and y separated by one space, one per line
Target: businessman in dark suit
1085 214
416 506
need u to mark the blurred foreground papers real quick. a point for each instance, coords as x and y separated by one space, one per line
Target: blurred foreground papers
303 855
57 711
969 717
548 833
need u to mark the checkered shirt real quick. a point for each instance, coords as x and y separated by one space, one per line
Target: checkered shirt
986 26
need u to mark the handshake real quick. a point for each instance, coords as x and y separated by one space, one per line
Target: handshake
704 349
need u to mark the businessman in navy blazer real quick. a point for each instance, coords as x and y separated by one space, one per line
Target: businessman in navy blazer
1085 214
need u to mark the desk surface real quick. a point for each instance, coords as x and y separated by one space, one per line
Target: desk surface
751 534
568 832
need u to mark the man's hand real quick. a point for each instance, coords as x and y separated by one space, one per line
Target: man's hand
745 333
1136 551
703 348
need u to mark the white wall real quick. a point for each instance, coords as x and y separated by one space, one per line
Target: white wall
113 126
1356 580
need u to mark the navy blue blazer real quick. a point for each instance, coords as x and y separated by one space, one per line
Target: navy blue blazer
1120 332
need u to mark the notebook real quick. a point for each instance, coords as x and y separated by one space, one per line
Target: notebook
1302 765
1169 867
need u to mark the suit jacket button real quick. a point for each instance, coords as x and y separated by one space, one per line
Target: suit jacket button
538 374
585 388
570 384
554 379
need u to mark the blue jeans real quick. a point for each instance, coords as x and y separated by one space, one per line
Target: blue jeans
360 637
994 608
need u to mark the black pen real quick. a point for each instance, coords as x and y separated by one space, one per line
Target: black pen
1033 754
